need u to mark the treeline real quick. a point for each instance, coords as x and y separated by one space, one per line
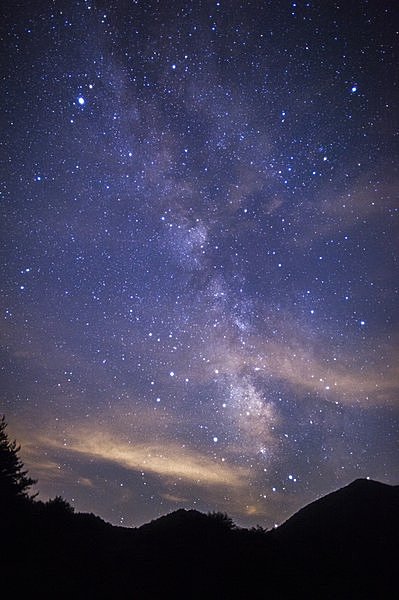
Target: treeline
344 546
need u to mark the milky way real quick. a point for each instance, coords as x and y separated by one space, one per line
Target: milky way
199 233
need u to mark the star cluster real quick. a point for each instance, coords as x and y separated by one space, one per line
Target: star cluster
199 275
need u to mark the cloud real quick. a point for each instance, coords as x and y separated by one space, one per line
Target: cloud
165 459
300 360
341 211
45 469
335 380
175 498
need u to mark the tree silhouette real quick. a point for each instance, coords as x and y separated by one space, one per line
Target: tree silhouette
14 482
59 507
222 519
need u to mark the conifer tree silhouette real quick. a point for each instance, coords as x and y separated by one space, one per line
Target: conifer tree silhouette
14 482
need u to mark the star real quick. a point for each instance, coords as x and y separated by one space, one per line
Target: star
198 254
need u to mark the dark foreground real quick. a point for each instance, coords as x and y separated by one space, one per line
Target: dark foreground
342 546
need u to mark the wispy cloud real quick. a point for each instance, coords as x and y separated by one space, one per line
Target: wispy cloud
340 210
167 460
299 361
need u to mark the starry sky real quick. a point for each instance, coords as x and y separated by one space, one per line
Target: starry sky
199 285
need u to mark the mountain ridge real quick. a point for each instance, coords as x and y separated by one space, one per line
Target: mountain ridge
188 554
360 499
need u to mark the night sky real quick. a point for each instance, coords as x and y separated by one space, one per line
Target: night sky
199 285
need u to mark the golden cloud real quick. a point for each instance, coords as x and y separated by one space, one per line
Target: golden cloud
333 380
168 460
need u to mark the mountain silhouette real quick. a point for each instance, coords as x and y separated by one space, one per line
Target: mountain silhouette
350 537
343 545
357 509
188 522
180 519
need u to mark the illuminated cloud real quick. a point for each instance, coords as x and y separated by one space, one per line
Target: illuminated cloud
167 460
300 363
336 380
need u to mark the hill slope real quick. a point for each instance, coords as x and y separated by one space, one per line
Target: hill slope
362 507
341 546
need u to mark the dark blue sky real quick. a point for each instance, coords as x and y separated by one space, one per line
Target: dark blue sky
199 251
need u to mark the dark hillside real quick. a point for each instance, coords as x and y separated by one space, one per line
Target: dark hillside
349 539
344 546
341 546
